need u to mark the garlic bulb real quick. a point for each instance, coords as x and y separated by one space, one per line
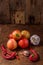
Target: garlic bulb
26 53
35 39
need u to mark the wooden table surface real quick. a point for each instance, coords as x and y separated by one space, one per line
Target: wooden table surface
5 30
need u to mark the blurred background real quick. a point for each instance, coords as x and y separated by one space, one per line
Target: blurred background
21 11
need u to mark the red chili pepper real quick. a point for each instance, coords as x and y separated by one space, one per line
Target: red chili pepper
8 55
3 49
34 56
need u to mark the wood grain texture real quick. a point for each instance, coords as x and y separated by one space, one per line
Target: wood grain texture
4 11
31 7
5 30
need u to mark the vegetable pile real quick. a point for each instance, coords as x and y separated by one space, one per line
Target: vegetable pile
23 40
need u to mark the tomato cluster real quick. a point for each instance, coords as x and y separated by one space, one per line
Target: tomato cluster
21 36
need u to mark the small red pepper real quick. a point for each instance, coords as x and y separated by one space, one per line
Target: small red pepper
34 56
8 55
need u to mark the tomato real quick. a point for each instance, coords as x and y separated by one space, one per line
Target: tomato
15 35
25 34
23 43
11 44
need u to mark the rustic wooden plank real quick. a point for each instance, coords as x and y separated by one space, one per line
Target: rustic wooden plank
31 7
4 11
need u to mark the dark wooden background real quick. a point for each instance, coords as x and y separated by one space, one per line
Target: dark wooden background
5 30
31 8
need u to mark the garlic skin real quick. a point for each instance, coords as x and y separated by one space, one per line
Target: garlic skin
35 39
26 53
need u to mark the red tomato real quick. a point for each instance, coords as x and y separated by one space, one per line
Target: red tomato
23 43
25 34
11 44
15 35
